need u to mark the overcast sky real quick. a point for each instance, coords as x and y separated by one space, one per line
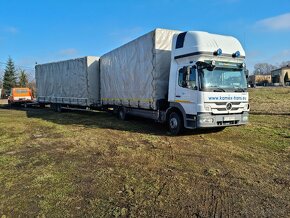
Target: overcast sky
43 31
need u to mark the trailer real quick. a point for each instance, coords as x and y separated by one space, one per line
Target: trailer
70 83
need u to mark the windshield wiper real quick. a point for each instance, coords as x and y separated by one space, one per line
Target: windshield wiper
219 90
239 90
216 89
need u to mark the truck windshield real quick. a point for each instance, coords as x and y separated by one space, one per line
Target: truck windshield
222 79
21 91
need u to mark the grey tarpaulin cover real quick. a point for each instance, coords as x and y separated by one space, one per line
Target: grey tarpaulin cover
137 73
73 81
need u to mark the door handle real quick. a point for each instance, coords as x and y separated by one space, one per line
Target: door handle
178 96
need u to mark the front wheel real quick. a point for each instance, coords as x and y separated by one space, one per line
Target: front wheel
175 123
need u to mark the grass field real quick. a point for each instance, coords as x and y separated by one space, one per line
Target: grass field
90 164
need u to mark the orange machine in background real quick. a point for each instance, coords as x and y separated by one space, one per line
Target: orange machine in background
20 95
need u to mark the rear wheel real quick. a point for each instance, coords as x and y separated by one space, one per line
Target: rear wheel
122 114
175 123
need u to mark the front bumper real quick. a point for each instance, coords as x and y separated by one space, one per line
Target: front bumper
205 120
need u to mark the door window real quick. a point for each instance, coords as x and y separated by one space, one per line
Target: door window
187 77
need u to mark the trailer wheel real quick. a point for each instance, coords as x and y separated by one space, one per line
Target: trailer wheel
122 114
175 123
56 107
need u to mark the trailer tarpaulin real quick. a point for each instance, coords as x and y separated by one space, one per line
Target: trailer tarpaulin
73 81
137 73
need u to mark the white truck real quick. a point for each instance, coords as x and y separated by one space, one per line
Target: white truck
185 79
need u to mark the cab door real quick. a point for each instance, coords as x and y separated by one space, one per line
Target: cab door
186 88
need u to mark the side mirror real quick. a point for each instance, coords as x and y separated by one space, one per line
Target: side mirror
210 67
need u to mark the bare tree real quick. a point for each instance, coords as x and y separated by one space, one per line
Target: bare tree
285 63
32 85
263 68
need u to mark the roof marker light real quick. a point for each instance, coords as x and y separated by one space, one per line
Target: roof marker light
218 52
236 54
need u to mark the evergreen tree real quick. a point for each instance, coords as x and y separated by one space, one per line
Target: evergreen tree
23 80
9 78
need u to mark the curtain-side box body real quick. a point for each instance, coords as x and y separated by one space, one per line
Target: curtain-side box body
75 82
137 73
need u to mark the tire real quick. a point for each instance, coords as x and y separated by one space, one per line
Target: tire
56 107
122 114
175 123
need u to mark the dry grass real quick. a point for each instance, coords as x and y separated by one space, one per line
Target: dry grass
92 164
270 100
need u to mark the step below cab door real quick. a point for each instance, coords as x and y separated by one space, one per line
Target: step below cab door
186 88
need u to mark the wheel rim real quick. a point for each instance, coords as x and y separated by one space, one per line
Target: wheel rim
173 123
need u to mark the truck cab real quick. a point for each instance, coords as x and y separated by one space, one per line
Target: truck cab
207 82
20 96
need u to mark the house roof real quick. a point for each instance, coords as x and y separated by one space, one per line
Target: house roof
282 68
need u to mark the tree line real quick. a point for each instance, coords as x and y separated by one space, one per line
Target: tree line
13 78
266 68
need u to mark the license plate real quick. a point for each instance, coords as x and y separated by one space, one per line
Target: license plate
229 118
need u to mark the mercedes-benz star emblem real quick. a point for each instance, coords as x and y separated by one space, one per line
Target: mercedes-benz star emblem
229 106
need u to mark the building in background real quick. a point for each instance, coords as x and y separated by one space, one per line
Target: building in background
259 80
281 76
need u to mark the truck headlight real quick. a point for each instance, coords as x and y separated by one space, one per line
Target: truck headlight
245 118
206 120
